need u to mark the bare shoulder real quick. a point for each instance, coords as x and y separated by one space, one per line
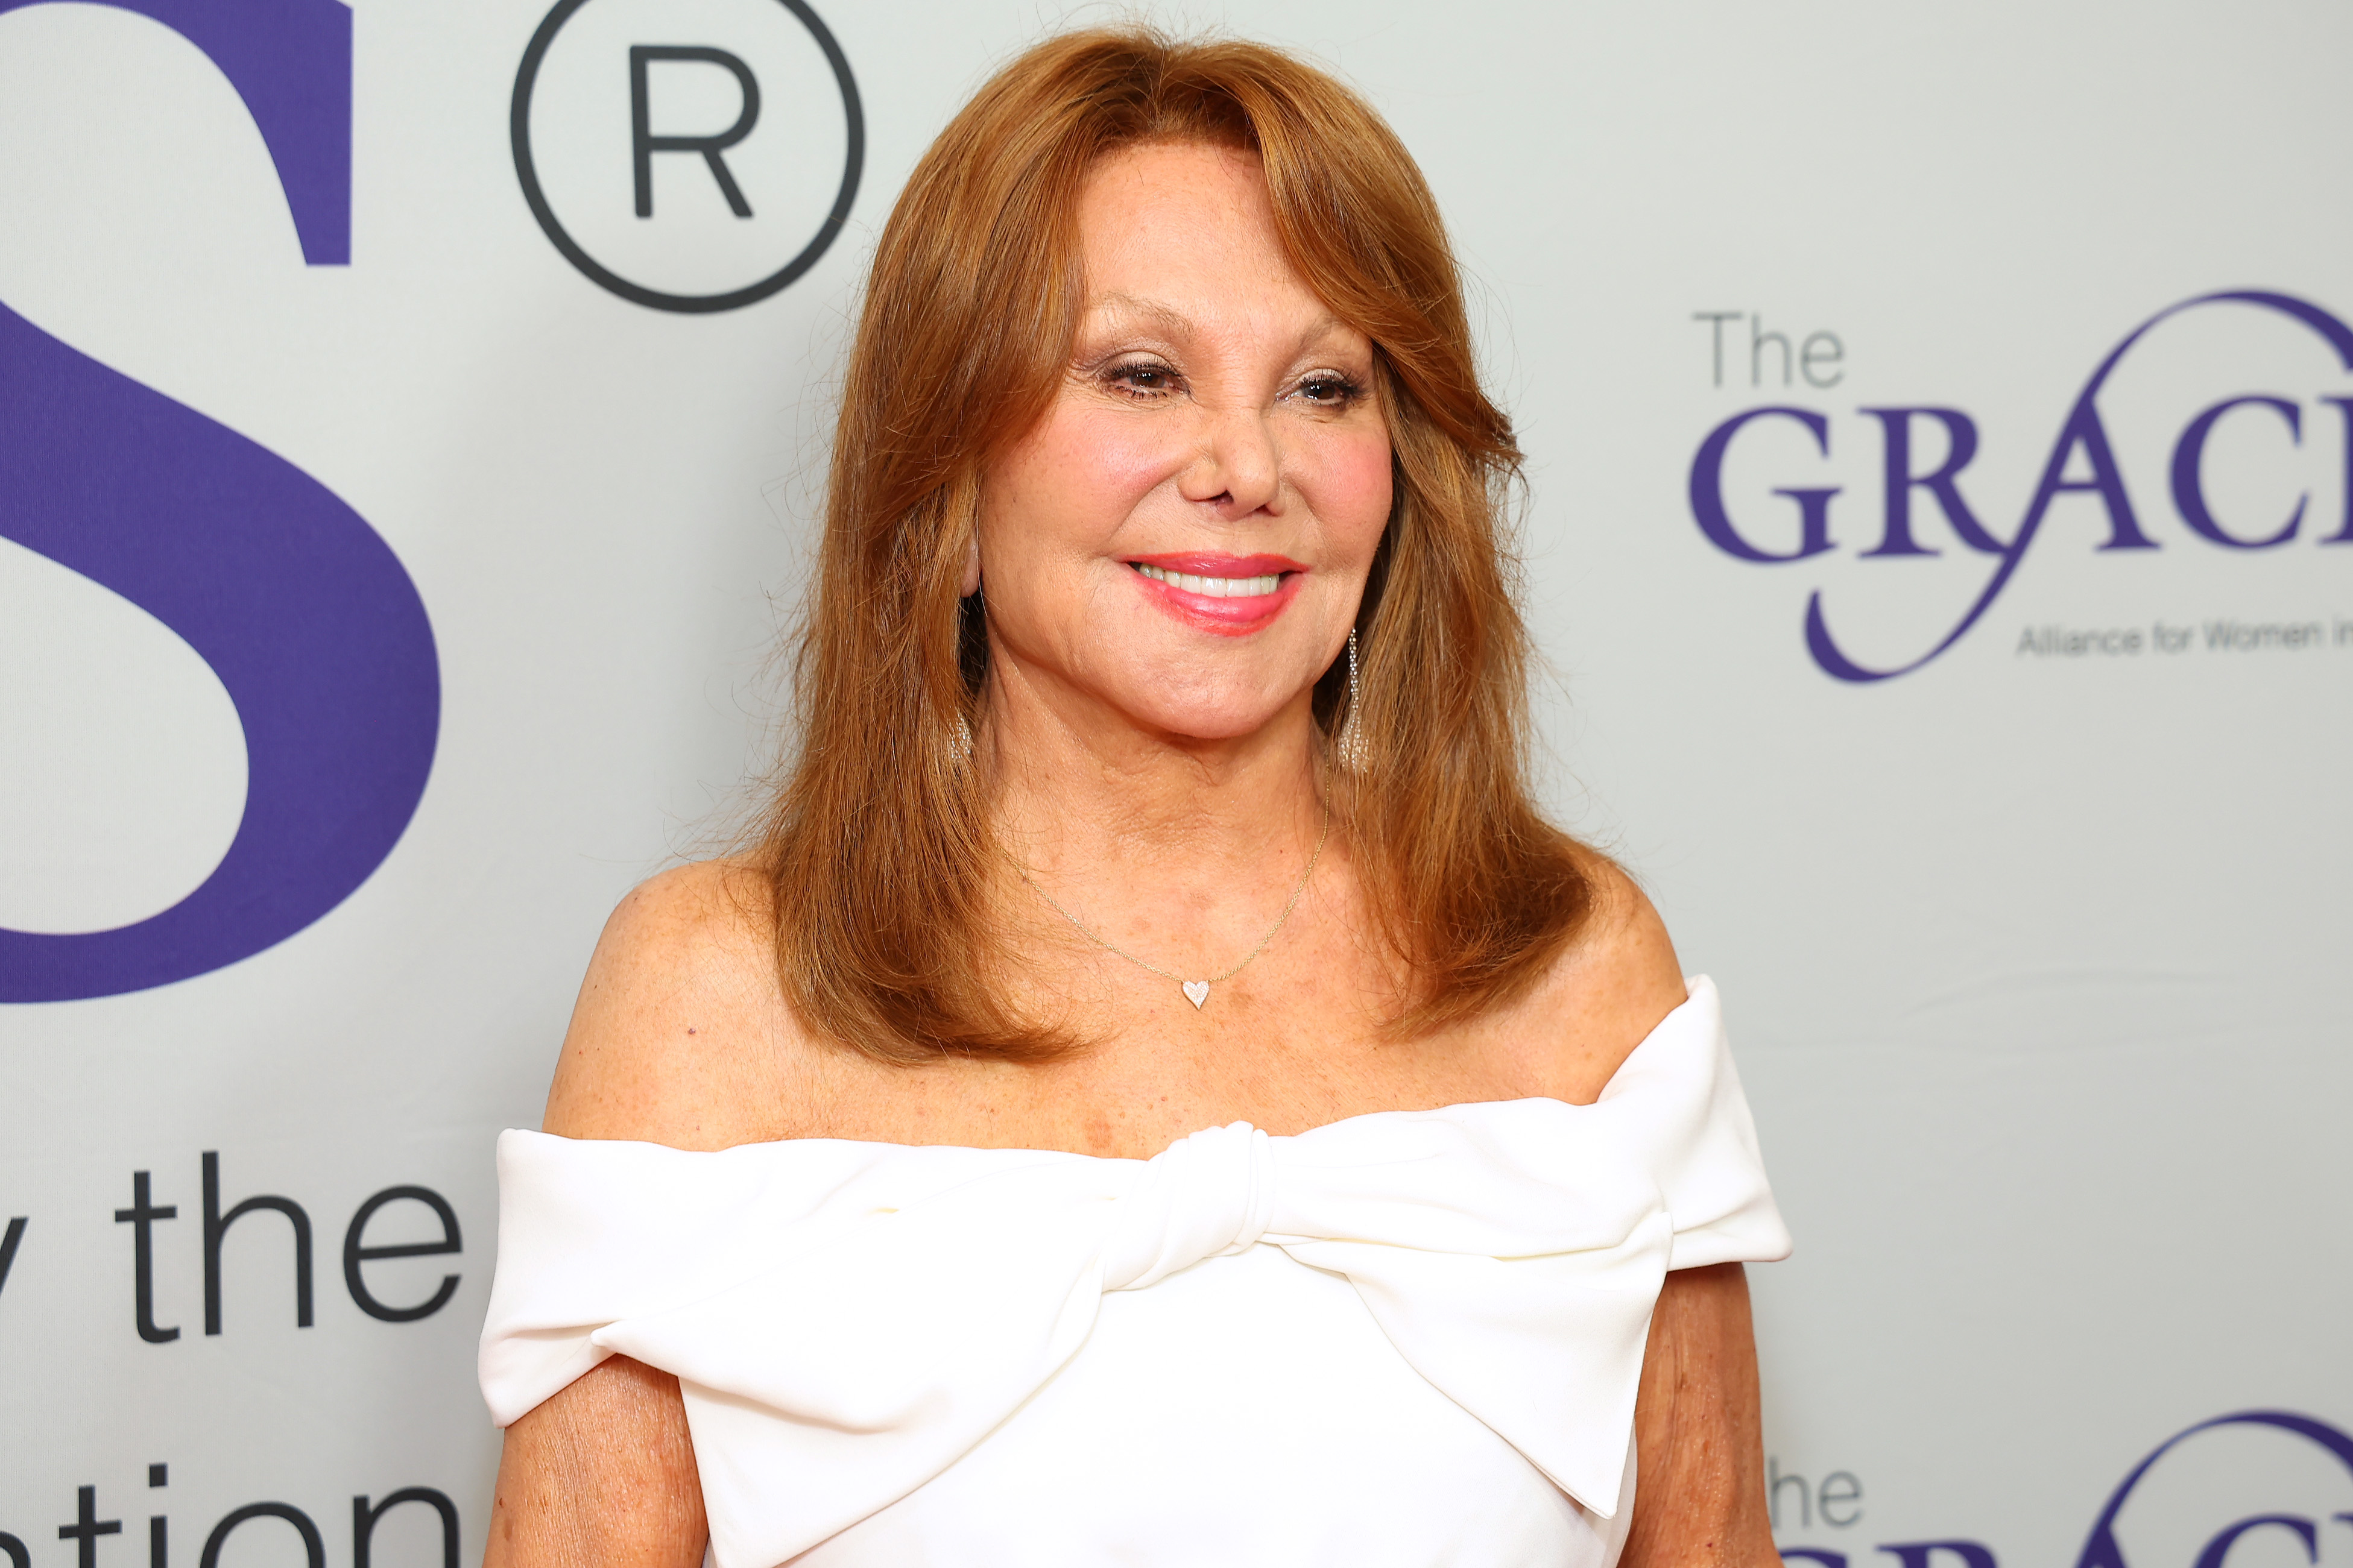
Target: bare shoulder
681 1036
1606 992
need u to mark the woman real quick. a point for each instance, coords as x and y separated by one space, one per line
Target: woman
1162 771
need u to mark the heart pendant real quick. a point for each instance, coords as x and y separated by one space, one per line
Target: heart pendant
1197 992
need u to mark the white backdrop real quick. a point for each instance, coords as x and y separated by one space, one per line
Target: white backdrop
2031 951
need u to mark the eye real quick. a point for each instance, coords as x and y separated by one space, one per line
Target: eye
1328 389
1144 379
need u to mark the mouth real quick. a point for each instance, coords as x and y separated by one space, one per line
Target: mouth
1232 595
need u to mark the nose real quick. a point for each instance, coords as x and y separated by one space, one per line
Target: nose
1238 469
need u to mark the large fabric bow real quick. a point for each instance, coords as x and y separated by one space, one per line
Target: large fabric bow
847 1320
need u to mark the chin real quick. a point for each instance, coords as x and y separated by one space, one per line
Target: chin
1212 720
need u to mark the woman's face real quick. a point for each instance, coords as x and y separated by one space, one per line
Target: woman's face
1182 539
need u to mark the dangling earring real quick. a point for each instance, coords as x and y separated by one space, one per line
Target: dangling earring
1352 734
960 749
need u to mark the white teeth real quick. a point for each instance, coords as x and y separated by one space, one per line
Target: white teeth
1215 588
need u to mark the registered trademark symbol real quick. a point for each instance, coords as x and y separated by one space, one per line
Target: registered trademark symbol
687 174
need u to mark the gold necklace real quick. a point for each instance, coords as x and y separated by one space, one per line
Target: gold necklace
1197 992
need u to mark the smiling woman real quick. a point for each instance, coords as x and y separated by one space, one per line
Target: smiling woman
1123 274
1016 1208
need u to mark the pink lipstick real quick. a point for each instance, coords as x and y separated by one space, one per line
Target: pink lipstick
1232 595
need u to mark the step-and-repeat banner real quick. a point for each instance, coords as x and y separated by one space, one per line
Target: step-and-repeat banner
1939 534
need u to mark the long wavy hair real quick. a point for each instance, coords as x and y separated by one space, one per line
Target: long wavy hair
877 849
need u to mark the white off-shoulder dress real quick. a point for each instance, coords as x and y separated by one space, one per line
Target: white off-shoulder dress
1407 1340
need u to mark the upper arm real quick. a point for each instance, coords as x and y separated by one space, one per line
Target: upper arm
678 1035
1698 1496
1607 990
1699 1491
677 1039
602 1473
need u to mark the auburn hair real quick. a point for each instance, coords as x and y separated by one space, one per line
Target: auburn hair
877 848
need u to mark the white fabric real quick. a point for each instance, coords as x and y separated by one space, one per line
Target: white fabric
958 1357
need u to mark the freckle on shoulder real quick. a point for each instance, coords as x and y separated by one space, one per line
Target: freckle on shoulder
1615 982
1625 945
677 1032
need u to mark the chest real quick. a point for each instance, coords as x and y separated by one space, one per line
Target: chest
1281 1047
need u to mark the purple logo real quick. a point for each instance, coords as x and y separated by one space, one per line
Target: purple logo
2102 1548
300 607
2083 437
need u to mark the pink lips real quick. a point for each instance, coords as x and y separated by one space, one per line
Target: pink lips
1225 617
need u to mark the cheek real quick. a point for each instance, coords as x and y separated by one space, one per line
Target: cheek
1083 473
1355 490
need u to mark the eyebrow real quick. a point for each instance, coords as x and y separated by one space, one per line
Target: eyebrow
1168 318
1177 324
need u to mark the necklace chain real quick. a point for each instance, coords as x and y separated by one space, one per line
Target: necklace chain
1195 991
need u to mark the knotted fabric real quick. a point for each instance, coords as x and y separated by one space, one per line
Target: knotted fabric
847 1320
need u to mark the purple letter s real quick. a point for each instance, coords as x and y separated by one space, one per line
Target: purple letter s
299 607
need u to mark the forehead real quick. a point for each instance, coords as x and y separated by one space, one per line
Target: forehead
1185 227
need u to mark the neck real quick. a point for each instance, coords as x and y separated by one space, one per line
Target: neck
1131 821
